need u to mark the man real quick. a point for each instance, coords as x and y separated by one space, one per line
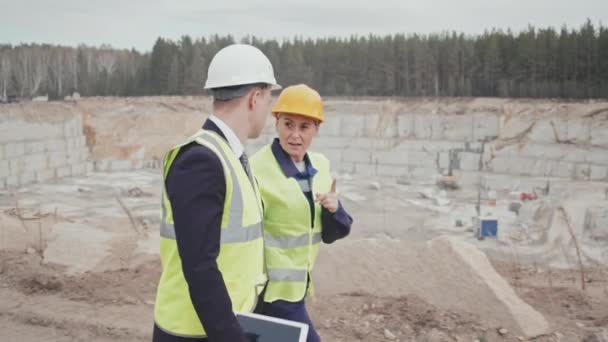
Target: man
211 236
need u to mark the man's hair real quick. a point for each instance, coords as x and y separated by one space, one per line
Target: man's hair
234 92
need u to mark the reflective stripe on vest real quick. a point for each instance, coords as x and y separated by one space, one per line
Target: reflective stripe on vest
286 242
287 274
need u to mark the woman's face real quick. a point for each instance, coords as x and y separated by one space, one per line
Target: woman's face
295 134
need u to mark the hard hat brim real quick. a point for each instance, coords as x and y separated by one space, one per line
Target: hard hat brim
276 113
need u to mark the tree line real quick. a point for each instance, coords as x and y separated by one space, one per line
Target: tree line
535 63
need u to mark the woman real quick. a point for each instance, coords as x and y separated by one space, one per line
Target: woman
301 206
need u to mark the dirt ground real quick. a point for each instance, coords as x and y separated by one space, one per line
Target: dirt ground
40 303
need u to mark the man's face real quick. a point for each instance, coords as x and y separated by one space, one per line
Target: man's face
296 133
260 105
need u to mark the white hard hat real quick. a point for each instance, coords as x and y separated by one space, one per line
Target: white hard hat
240 64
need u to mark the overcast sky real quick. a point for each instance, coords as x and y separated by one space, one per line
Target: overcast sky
137 23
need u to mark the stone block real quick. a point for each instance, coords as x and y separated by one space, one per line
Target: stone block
356 155
435 147
102 165
152 164
17 166
468 179
320 143
370 125
345 167
428 146
58 145
579 131
390 157
353 126
428 127
2 155
45 175
423 174
485 126
543 151
458 127
137 164
598 173
596 224
64 171
79 169
5 169
34 147
381 125
82 141
74 157
3 185
582 172
333 154
564 170
560 125
392 170
515 126
473 147
70 145
27 177
57 159
35 162
72 128
547 168
405 125
469 161
527 167
422 159
139 154
509 151
597 156
599 133
90 166
85 153
500 165
365 169
331 127
121 165
444 160
543 132
574 154
14 150
12 181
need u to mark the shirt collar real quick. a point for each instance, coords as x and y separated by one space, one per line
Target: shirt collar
233 141
287 165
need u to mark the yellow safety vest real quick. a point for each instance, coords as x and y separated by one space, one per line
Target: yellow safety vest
241 257
291 240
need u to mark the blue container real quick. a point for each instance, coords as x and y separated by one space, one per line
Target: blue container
488 227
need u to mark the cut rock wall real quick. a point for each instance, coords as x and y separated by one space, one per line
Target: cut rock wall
411 139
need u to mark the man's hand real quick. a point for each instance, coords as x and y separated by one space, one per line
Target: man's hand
329 200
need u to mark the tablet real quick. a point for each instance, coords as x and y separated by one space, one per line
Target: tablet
261 328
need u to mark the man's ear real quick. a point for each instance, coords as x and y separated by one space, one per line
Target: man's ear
252 98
